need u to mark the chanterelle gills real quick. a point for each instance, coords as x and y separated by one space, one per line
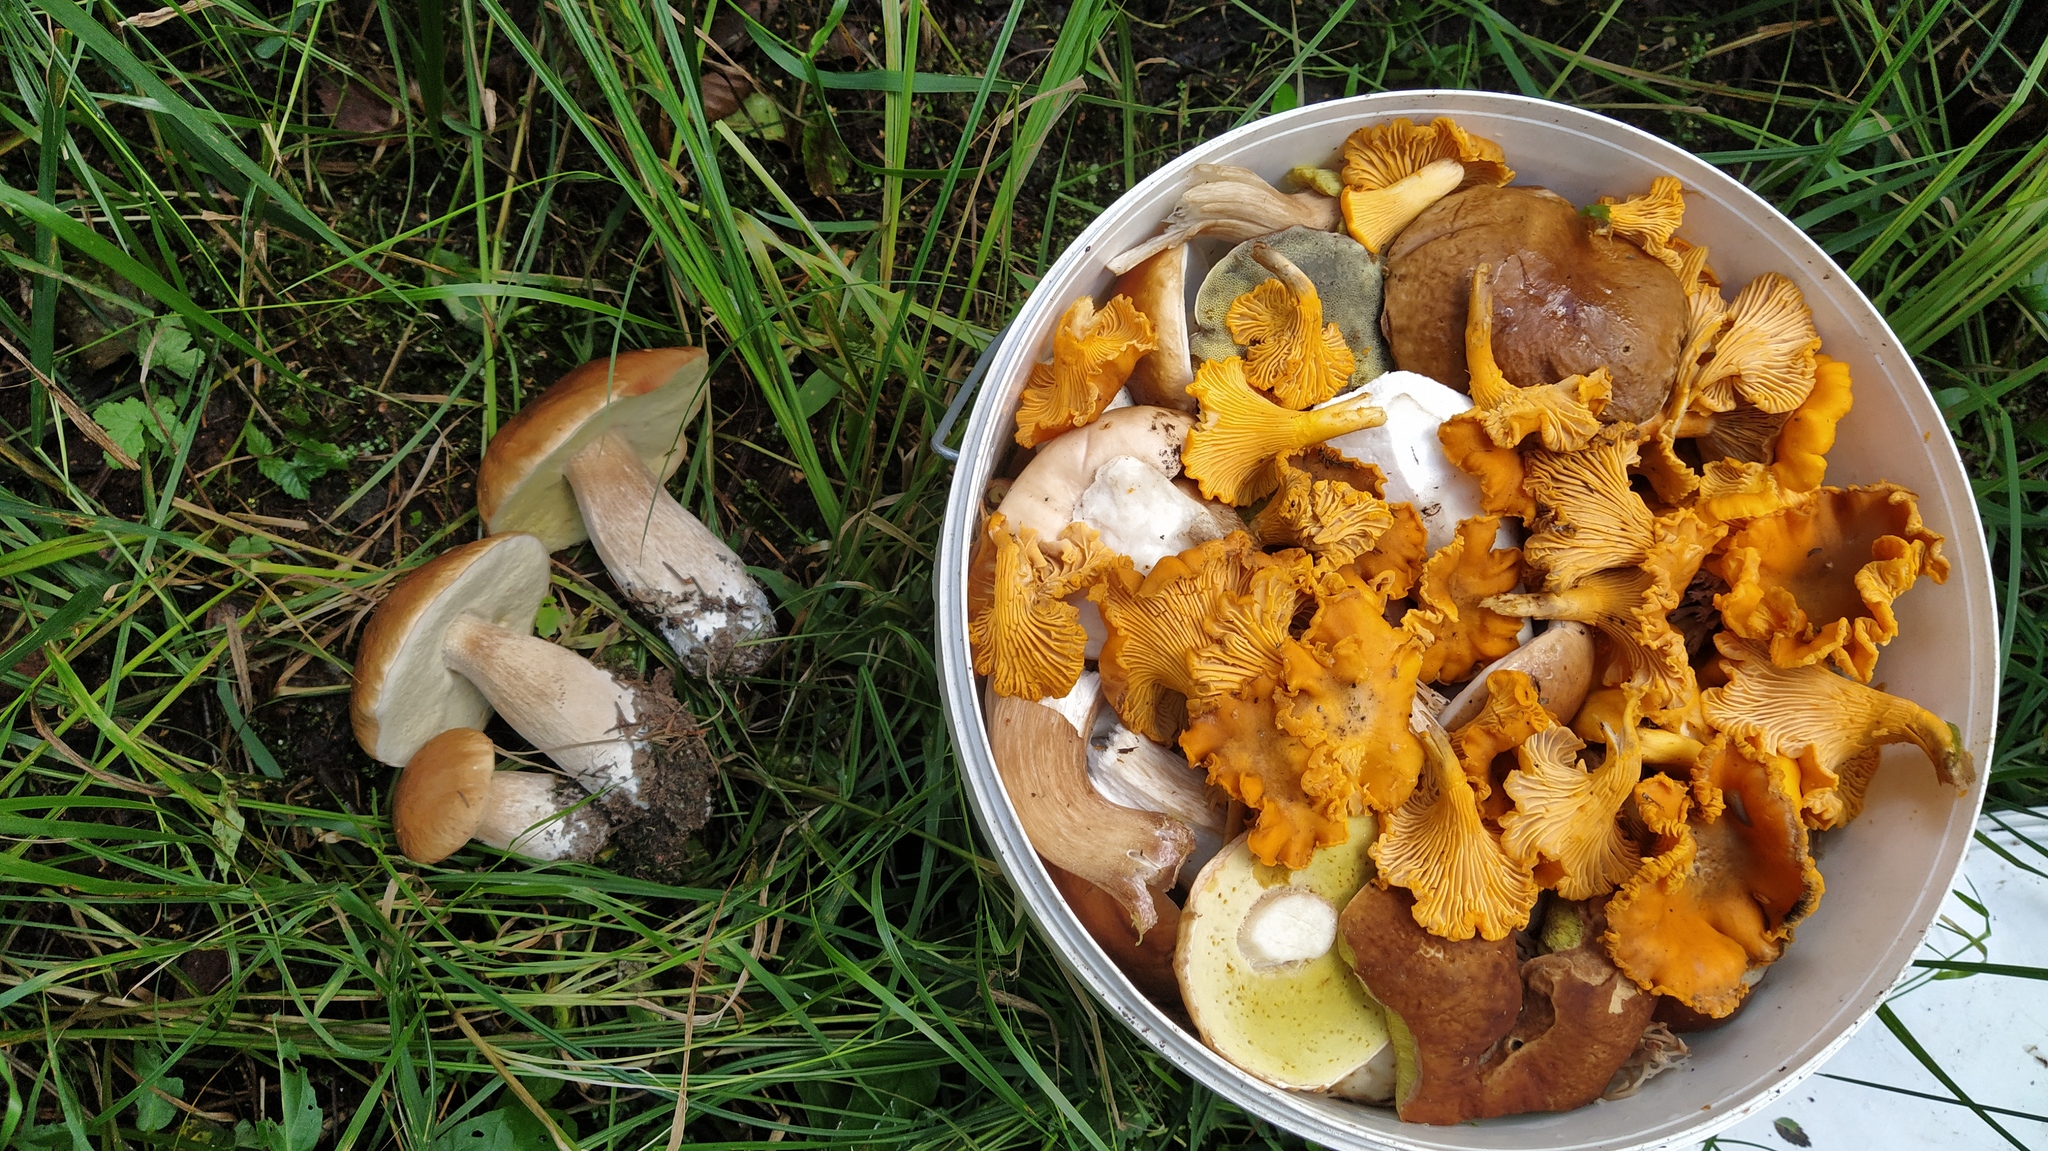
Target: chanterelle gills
1393 171
1340 277
1093 353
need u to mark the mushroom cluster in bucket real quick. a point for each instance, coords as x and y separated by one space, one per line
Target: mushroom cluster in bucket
1418 635
451 644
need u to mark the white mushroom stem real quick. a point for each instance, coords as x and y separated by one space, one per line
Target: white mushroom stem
668 563
1133 855
1139 512
568 708
538 816
1133 771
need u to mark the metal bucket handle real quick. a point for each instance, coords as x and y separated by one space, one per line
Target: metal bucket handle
968 387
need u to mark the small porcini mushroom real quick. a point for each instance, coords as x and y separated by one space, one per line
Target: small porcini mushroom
1417 473
1393 171
1026 638
1564 415
1135 856
1132 771
452 641
451 792
1817 578
1157 623
1566 300
1437 846
587 460
1454 584
1233 205
1568 815
1558 662
1289 351
1157 287
1349 691
1647 221
1093 353
1044 495
1335 519
1234 450
1765 353
1447 1002
1260 973
1823 720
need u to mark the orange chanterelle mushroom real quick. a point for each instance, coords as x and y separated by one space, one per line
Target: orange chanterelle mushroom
1234 451
1290 352
1093 353
1158 622
1027 639
1393 171
1647 220
1327 504
1437 846
1455 583
1816 580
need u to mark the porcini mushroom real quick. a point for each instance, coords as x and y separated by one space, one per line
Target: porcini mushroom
587 459
1140 513
452 641
451 792
1045 495
1566 299
1289 351
1393 171
1135 856
1233 205
1093 353
1234 451
1260 972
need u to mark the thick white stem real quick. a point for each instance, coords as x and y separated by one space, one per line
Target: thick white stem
668 563
570 709
529 813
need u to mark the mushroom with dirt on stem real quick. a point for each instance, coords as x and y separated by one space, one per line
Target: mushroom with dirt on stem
587 458
453 641
451 792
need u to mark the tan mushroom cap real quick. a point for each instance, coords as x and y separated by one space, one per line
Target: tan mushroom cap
405 693
440 797
644 397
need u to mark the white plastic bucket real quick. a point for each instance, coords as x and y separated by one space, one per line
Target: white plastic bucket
1886 873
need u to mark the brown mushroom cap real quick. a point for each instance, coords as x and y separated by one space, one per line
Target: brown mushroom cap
441 796
644 397
1627 310
405 693
1158 289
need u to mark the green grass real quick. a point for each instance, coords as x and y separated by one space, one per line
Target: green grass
206 923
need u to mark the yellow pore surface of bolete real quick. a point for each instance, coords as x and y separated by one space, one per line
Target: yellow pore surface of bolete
1235 448
587 459
451 792
1336 519
1763 352
1826 723
1720 898
1393 171
1156 625
1027 639
1566 299
1290 352
1568 815
1134 856
1565 415
1816 580
1260 973
1454 582
451 642
1437 846
1093 353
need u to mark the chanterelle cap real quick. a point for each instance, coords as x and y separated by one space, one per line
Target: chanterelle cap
644 397
442 794
405 694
